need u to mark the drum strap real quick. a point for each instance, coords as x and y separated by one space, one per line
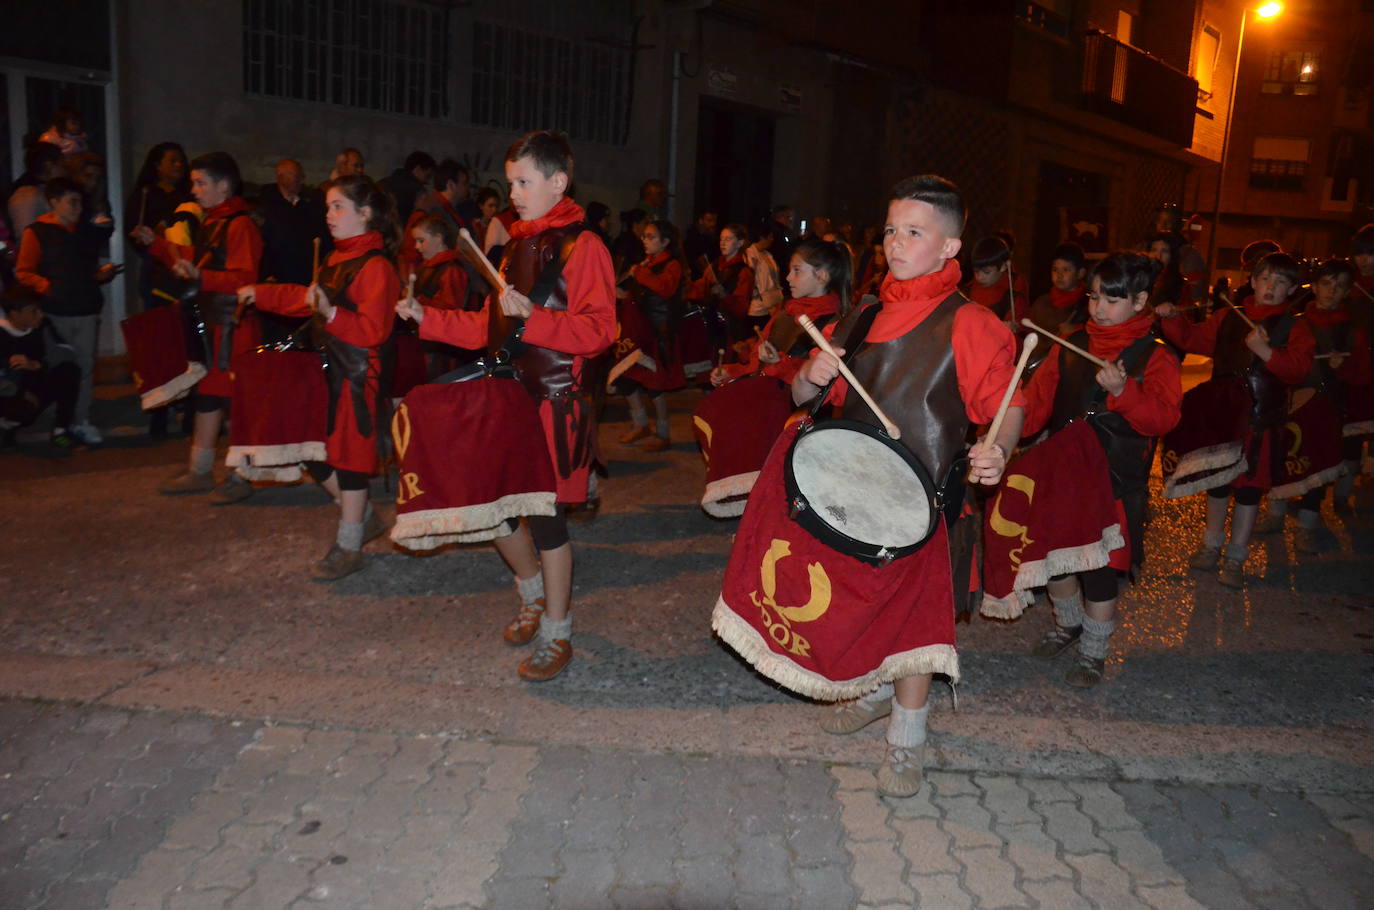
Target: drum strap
858 332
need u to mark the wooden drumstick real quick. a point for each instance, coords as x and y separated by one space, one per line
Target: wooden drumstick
1364 290
1068 344
1329 354
996 426
888 426
143 206
1239 312
315 263
492 275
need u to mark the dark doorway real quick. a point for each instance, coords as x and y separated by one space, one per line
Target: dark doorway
1067 197
734 163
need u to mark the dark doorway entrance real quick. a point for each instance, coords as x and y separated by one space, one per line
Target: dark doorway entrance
1066 196
734 163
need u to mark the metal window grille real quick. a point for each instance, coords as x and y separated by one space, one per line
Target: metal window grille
1277 174
380 55
1291 73
523 79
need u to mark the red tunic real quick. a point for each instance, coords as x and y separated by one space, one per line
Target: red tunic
453 283
243 253
409 258
374 291
666 282
992 295
785 370
735 303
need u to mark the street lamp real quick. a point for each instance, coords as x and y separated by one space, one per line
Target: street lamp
1265 11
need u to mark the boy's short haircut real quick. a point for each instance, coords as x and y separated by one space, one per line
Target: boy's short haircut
1071 253
446 172
219 166
439 226
20 297
1281 264
1125 273
418 158
1257 250
549 150
39 154
938 193
1335 268
989 253
1362 243
58 187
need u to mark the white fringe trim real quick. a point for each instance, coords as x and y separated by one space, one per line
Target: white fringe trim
1036 573
292 453
1227 455
1358 428
1310 482
697 367
434 528
174 389
750 645
722 498
277 474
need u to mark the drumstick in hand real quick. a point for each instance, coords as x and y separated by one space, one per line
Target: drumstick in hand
492 275
888 426
996 426
1239 312
1364 290
1068 344
315 263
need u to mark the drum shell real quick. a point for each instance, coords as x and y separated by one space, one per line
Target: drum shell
158 355
736 426
1206 448
1309 452
410 364
279 411
700 333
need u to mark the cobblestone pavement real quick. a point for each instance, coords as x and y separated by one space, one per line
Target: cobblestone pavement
182 732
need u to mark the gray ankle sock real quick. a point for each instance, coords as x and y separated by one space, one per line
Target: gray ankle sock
202 460
1096 636
1309 519
554 629
350 536
906 727
530 589
661 429
1346 485
1068 612
1237 551
1278 507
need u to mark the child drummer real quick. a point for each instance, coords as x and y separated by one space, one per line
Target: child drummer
936 364
563 335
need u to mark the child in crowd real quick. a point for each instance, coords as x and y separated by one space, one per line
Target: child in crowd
66 132
33 374
992 285
655 287
767 293
728 283
1065 308
441 282
1129 403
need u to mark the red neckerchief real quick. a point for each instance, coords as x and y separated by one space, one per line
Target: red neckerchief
1324 318
231 206
906 303
1065 299
722 263
660 256
812 307
353 247
566 212
1108 341
441 258
1258 312
989 295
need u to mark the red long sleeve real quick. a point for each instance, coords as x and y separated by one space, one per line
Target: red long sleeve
1153 405
242 255
26 266
286 299
453 290
1292 362
663 284
1193 337
587 327
460 328
1039 393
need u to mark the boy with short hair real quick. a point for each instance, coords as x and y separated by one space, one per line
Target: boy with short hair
564 335
59 260
937 365
224 258
992 285
1065 308
30 377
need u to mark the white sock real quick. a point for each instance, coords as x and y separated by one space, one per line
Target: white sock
551 630
906 727
202 460
1096 636
350 536
1068 611
531 589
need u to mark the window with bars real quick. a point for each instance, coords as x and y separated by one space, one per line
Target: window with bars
380 55
523 79
1291 73
1279 163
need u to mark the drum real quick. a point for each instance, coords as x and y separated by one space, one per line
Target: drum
700 334
1206 449
410 364
157 345
1309 453
471 455
279 414
859 491
736 426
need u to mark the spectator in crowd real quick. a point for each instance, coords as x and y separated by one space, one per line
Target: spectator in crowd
36 370
653 199
349 161
66 132
408 182
292 217
87 169
780 224
701 241
42 162
488 204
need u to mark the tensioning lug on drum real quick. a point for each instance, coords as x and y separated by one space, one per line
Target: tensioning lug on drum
798 506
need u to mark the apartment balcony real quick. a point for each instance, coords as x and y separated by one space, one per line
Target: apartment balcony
1134 88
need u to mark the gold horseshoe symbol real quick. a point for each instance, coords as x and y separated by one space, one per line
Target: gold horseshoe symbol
816 604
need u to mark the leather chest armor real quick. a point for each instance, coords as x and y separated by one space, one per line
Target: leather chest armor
344 362
1231 358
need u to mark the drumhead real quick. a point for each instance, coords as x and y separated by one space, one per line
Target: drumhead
862 487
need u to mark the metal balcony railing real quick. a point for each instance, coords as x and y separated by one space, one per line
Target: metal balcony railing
1134 88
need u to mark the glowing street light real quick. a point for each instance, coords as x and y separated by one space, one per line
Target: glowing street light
1269 10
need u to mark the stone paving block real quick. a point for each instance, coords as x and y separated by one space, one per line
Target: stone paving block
286 738
276 883
1141 858
159 873
925 845
1033 852
1103 805
1044 791
450 788
103 722
756 901
194 730
476 751
1355 820
1168 897
510 768
533 848
117 855
704 838
1008 802
762 865
706 881
758 810
1204 814
350 775
280 799
199 900
877 873
376 745
967 822
864 816
425 834
922 805
1057 893
587 881
461 881
808 789
380 816
489 815
1103 882
518 894
52 859
941 890
641 898
413 759
990 878
224 867
77 895
849 777
608 776
94 817
397 887
596 823
171 797
1071 828
200 827
823 889
224 745
645 863
815 842
320 749
250 769
952 783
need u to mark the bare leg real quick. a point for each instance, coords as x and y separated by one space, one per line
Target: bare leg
1100 610
558 574
331 486
913 691
352 504
518 551
206 431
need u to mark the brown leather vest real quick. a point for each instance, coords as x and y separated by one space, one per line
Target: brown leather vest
787 337
1329 338
1231 358
345 362
545 373
213 238
914 379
